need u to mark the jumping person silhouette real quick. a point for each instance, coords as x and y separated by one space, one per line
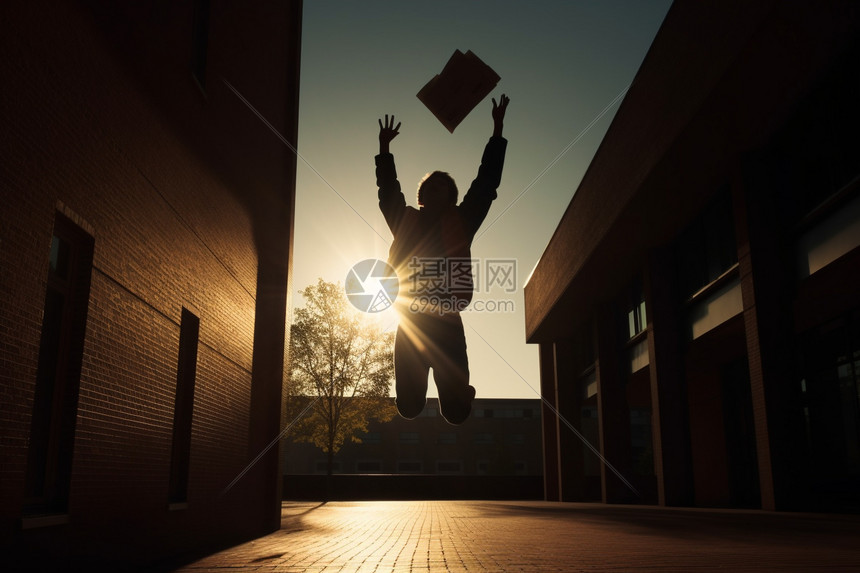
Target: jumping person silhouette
431 251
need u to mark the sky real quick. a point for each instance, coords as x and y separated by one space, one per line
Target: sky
565 66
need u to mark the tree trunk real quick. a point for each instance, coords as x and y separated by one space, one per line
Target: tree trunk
329 467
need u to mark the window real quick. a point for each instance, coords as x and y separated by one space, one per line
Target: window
520 468
409 437
449 467
371 438
818 151
584 347
588 384
634 324
517 439
447 438
636 319
484 438
589 423
368 467
832 235
200 41
830 390
409 467
640 441
707 262
58 375
635 311
502 413
186 373
707 248
322 467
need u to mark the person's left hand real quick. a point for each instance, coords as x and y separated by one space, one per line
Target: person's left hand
499 114
499 109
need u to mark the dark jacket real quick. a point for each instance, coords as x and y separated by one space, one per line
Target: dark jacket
444 236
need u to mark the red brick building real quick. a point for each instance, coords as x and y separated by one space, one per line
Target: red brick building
697 308
495 454
145 243
501 437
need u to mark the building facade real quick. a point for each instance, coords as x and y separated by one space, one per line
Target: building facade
502 437
145 243
697 307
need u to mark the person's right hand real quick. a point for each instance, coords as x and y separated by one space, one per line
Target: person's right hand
387 132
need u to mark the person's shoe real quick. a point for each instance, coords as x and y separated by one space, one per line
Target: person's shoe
458 413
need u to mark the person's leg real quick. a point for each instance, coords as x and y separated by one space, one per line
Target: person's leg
451 369
410 370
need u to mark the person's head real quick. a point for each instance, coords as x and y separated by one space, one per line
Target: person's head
436 190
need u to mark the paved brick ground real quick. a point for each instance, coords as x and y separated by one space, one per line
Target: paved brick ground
536 536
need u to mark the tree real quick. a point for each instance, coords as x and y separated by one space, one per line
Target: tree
343 364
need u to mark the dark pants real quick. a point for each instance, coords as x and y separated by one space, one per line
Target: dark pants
426 341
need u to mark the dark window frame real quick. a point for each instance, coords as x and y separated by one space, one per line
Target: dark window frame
183 411
707 250
58 377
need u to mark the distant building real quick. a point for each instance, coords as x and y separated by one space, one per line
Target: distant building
145 228
698 309
502 437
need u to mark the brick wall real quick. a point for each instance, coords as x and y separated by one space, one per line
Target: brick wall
102 120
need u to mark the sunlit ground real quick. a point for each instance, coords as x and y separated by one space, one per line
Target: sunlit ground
540 536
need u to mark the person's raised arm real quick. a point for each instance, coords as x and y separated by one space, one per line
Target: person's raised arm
387 132
482 192
391 199
498 114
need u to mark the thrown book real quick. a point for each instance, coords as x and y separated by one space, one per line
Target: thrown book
455 92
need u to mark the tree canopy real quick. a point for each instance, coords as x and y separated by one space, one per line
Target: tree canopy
341 362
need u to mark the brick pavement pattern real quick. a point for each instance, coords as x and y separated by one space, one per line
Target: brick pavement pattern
395 536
